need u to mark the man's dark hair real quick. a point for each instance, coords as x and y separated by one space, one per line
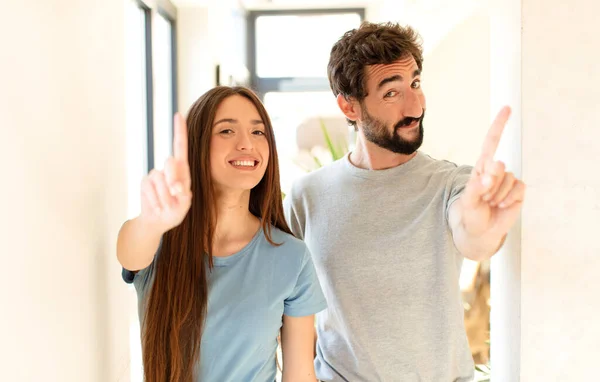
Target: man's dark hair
370 44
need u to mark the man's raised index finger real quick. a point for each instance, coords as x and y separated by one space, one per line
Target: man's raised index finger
492 139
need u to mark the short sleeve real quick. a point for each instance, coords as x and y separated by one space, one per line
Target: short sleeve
128 276
456 185
140 278
291 216
307 296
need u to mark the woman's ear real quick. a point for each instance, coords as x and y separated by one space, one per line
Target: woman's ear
349 107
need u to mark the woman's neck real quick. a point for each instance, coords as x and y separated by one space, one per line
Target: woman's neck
235 222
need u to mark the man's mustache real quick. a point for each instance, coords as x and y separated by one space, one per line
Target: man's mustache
409 120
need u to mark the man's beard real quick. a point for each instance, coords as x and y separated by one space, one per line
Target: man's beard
377 132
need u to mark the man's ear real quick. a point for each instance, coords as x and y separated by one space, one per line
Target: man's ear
349 107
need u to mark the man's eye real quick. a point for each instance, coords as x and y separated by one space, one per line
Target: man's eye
390 94
416 84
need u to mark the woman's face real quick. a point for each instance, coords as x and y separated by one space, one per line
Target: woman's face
239 150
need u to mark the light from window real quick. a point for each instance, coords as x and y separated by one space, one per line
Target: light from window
135 104
163 89
296 118
298 45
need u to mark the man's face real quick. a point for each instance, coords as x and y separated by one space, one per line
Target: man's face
392 114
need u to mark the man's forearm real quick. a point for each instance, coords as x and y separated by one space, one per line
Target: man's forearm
475 247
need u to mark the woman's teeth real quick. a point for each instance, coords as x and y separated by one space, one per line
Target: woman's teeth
243 163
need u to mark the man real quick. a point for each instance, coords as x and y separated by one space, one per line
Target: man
389 226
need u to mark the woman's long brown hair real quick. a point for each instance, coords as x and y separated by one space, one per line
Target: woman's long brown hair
177 303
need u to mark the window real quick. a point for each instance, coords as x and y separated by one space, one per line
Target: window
288 57
150 92
303 49
138 107
164 86
289 50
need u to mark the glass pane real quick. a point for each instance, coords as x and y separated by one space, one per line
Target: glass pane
297 118
135 110
163 90
298 45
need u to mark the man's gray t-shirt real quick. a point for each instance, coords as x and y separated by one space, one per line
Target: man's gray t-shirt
386 261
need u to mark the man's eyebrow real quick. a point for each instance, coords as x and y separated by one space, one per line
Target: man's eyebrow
396 77
393 78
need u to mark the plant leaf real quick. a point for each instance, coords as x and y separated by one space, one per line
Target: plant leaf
328 141
317 161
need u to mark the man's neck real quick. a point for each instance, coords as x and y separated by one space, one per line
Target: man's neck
369 156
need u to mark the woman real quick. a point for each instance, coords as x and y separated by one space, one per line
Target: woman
217 271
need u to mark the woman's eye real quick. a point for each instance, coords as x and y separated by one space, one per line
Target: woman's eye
258 132
226 131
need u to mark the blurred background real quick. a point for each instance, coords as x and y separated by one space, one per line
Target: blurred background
87 94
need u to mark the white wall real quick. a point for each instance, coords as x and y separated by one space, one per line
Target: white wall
545 302
63 194
209 34
561 135
195 55
456 84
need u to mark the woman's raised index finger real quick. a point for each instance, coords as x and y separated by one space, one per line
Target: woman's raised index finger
180 141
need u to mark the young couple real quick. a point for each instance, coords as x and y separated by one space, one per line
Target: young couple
372 244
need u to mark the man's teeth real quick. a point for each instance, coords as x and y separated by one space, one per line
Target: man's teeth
249 163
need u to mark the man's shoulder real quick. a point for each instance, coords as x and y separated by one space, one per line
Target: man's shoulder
319 178
434 165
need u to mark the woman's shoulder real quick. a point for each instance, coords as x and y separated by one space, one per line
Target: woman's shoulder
280 236
286 243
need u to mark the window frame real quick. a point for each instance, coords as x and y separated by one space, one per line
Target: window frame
264 85
171 17
165 9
